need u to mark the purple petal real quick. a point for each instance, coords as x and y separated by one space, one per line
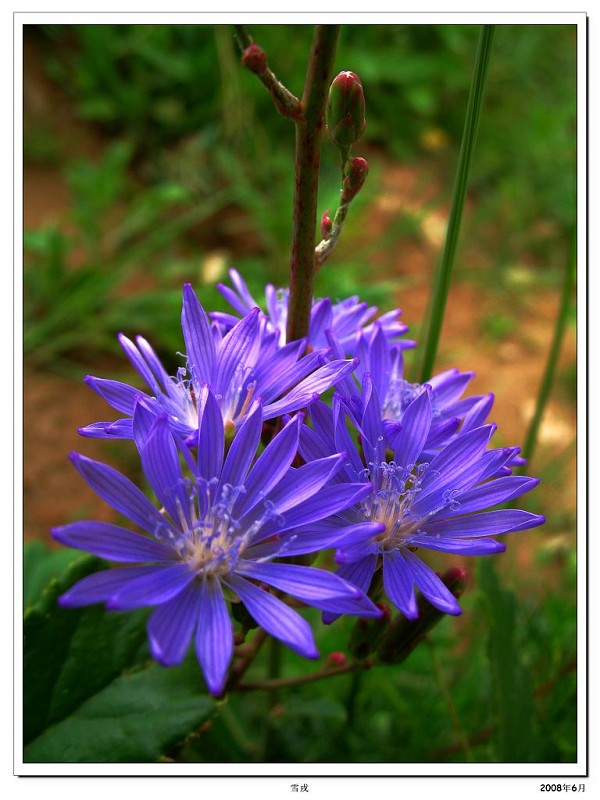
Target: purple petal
449 385
160 462
198 337
243 447
337 498
214 636
316 383
242 289
455 467
157 586
139 363
320 536
97 588
299 485
408 443
491 494
172 625
430 586
320 317
275 617
117 429
284 369
119 492
270 466
488 523
119 395
234 301
316 587
211 436
463 547
111 542
360 573
398 582
378 360
240 346
371 426
144 417
477 413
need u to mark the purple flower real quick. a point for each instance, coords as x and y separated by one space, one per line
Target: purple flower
216 537
441 504
243 363
384 362
343 319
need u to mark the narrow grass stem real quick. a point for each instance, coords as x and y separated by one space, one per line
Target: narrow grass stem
444 268
551 365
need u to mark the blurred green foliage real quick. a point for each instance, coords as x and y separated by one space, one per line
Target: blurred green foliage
198 160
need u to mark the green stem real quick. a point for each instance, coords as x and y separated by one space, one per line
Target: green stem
559 330
444 269
308 152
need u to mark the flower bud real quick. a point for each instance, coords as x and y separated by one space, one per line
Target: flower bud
403 635
345 112
326 224
254 58
367 633
335 659
355 174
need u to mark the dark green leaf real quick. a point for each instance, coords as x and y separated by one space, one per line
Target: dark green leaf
137 718
70 654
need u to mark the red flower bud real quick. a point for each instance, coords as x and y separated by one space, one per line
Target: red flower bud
345 112
254 58
355 172
326 224
335 659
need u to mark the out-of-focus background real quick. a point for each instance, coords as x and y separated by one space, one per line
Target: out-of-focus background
153 158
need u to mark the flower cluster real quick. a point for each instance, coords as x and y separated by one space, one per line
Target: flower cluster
252 469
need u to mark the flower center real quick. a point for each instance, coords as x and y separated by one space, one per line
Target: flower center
399 396
390 503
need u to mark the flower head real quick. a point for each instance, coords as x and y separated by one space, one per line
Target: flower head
344 318
383 362
437 504
238 365
221 525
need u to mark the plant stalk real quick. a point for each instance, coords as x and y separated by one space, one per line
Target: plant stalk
308 151
444 269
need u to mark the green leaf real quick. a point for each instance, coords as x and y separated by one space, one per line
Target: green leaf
70 654
138 717
511 689
40 566
90 695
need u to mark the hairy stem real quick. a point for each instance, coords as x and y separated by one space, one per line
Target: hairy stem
308 152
